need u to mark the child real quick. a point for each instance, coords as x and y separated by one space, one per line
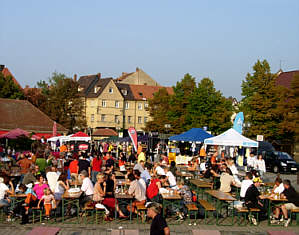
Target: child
48 199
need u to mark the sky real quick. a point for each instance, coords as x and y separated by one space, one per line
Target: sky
220 39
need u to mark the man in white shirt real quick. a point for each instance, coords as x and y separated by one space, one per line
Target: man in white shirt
171 179
137 190
52 178
159 170
86 188
245 184
4 203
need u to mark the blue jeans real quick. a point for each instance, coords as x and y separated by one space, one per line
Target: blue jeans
94 176
5 205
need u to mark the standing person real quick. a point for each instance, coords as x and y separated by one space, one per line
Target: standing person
141 156
41 162
292 196
84 165
48 199
24 164
96 166
159 225
251 162
260 165
74 169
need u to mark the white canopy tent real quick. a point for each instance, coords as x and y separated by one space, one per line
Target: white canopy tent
231 138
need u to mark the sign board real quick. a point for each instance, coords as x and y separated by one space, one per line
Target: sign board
83 146
260 138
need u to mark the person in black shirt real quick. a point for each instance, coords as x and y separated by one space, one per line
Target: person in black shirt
159 225
292 196
83 164
252 199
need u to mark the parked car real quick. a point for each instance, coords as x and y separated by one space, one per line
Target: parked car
277 161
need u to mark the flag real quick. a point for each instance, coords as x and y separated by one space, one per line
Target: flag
238 123
54 129
133 136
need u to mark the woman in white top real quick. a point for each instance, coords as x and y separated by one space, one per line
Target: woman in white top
260 165
278 187
61 186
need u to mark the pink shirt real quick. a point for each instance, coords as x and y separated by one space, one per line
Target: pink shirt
39 190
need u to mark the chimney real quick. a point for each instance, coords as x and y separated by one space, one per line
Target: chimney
137 69
75 77
123 73
99 75
2 66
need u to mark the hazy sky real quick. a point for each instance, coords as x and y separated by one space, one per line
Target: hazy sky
217 39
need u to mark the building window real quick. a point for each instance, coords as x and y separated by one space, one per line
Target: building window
103 116
139 106
104 103
92 117
139 120
146 105
110 90
116 118
129 119
145 119
116 104
127 105
125 92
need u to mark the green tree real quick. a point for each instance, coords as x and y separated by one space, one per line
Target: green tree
207 107
8 89
63 102
260 101
158 109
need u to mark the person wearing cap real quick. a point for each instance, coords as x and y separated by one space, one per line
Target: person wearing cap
252 198
159 225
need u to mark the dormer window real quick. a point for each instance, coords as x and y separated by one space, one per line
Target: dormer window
124 92
110 90
140 93
96 89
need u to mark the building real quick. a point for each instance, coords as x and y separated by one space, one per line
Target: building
6 73
118 104
24 115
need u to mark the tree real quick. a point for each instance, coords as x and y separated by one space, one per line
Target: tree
62 101
207 107
158 109
259 104
8 89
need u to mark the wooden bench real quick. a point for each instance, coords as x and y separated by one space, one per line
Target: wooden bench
141 209
296 212
244 210
44 231
192 210
207 206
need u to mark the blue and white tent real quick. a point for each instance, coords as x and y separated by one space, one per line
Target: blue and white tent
194 135
231 138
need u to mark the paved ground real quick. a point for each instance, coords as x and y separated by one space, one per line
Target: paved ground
184 228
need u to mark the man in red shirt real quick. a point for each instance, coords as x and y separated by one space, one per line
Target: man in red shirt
73 167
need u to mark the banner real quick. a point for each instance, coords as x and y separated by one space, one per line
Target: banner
238 123
133 136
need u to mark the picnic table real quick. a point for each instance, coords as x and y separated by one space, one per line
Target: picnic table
70 199
273 200
123 197
222 199
16 199
200 185
170 199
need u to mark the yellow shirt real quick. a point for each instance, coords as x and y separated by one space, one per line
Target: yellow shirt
141 157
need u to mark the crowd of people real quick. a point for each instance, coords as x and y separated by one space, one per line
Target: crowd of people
44 177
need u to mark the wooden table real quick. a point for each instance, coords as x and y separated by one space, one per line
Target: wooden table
72 200
75 183
221 200
273 200
186 175
16 199
123 197
119 174
200 186
170 199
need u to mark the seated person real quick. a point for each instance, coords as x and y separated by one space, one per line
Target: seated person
226 180
278 186
153 189
245 185
252 199
87 188
173 168
293 202
186 194
4 191
138 191
171 178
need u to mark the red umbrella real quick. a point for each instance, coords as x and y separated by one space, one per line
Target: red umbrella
80 134
14 134
35 137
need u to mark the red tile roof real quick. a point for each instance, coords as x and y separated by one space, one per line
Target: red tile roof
285 78
141 92
104 132
22 114
7 73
